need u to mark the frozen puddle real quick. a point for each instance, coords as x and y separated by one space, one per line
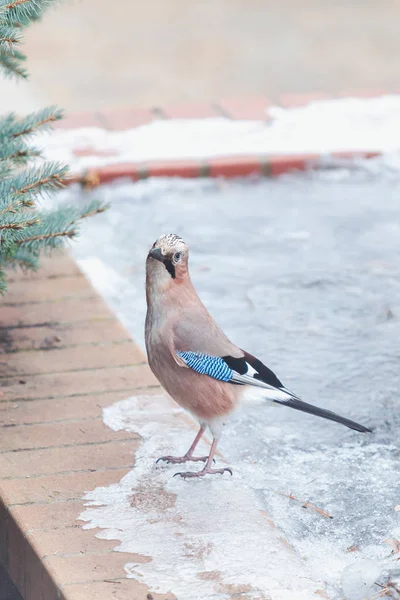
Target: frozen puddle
303 271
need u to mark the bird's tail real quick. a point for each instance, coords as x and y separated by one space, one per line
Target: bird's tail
298 404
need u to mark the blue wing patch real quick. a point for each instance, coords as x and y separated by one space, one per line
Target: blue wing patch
214 366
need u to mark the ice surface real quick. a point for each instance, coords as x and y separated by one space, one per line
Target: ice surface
303 271
320 127
207 540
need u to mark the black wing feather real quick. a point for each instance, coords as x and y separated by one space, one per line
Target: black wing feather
263 373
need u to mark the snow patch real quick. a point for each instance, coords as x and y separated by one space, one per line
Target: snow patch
322 127
207 538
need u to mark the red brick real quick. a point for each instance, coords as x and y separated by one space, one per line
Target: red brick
70 540
174 168
127 118
235 166
122 589
131 171
58 265
190 111
58 409
48 435
279 165
89 567
60 335
253 108
297 100
78 120
57 515
23 291
52 385
68 310
111 455
71 359
55 488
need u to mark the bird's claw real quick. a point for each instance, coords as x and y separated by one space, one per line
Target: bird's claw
175 460
188 474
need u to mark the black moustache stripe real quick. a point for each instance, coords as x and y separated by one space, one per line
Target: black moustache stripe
170 267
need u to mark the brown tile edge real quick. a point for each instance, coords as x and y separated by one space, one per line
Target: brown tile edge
225 166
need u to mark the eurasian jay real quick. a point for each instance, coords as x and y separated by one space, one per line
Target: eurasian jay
199 367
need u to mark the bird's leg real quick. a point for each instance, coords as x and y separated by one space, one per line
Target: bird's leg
207 468
189 454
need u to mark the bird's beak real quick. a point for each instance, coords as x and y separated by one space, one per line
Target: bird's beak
157 254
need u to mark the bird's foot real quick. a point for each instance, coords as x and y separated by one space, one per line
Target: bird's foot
205 471
176 460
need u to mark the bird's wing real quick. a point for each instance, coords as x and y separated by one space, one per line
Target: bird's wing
245 370
248 370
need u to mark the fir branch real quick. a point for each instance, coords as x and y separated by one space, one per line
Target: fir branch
24 231
10 64
47 236
17 153
5 168
9 38
59 224
14 226
94 207
5 122
12 203
15 256
38 181
3 285
21 157
42 119
53 229
12 5
17 222
25 258
9 205
13 127
22 11
43 183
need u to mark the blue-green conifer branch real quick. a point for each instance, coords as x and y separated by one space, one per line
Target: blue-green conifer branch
26 230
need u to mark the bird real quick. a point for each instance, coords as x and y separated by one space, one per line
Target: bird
196 363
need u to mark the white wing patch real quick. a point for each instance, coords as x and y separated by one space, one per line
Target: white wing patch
270 392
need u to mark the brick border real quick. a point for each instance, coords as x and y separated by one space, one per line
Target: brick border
65 358
249 108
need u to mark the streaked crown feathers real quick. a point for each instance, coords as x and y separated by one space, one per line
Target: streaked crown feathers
169 243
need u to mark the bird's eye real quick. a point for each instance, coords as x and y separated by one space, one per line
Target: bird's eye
177 257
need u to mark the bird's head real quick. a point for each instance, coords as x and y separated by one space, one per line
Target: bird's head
167 260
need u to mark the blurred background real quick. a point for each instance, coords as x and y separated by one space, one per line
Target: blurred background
91 54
